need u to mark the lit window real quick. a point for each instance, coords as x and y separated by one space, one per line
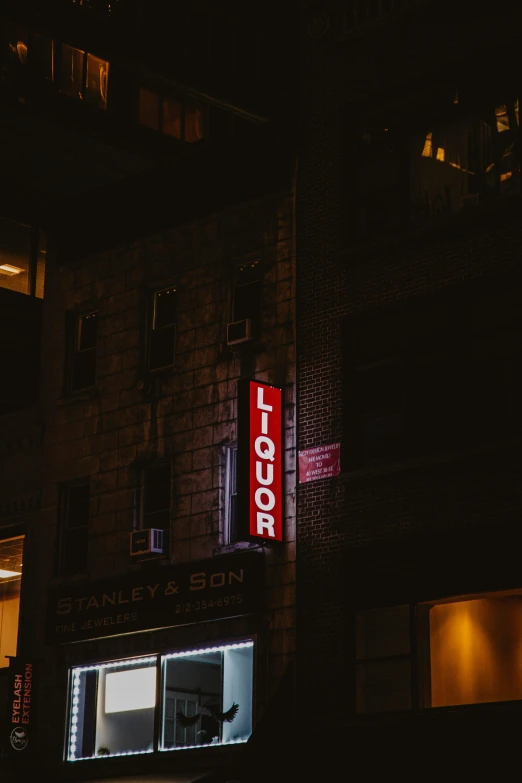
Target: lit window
174 117
84 80
162 333
11 558
83 358
468 652
205 699
97 81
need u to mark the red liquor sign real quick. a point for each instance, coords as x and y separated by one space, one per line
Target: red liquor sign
319 462
261 460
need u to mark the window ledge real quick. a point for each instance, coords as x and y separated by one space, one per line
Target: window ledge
237 546
80 396
449 455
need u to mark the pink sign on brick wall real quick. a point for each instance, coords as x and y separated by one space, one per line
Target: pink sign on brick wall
319 462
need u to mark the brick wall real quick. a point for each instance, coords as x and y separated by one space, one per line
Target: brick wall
108 434
337 278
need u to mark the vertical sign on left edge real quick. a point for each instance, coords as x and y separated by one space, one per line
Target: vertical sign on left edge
260 457
21 705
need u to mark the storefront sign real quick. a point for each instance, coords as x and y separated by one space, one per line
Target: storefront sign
260 460
20 705
320 462
203 590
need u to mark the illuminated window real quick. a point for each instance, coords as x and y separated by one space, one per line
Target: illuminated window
162 332
11 559
467 652
174 117
22 258
82 75
84 339
74 528
205 699
231 532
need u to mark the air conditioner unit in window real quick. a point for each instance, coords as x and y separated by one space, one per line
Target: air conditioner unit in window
239 331
147 542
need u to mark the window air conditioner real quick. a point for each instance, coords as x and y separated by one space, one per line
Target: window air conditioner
239 332
147 542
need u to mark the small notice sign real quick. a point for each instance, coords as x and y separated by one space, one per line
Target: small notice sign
319 462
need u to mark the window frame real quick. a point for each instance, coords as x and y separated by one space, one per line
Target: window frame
230 485
12 534
159 660
151 330
63 523
57 74
183 101
73 321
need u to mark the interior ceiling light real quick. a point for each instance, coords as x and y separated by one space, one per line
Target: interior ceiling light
7 574
9 269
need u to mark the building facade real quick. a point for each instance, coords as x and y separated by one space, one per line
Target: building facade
147 540
409 293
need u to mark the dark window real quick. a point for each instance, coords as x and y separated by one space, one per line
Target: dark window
247 291
174 117
155 496
231 519
162 333
75 499
83 359
462 650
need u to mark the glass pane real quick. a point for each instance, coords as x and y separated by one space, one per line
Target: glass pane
149 109
97 81
15 247
213 696
11 559
84 370
381 633
72 71
161 350
383 686
193 124
156 489
112 709
74 560
171 118
475 650
40 264
164 308
87 331
78 506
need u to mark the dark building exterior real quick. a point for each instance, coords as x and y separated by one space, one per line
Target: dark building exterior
409 334
147 496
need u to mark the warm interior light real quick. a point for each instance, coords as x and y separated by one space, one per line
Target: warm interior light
9 269
7 574
133 689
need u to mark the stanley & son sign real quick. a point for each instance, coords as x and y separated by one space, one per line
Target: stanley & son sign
194 592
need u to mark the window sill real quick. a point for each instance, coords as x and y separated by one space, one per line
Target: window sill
83 395
237 546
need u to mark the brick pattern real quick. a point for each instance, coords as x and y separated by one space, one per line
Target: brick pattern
336 279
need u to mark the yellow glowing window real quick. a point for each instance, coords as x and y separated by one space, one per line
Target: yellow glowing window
133 689
193 124
440 153
171 124
149 109
502 118
97 81
11 556
427 151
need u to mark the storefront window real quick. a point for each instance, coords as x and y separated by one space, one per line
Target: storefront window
10 583
206 699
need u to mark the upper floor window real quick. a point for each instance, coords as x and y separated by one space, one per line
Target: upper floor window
178 118
411 168
162 329
84 339
22 258
11 567
181 700
462 650
231 529
74 528
155 496
82 75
